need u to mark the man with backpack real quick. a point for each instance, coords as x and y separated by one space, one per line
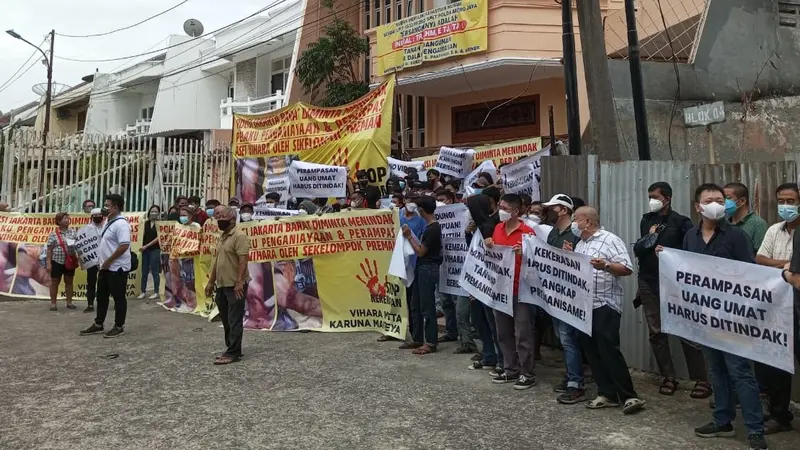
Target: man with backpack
116 261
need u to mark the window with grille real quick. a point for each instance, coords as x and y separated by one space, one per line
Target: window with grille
789 13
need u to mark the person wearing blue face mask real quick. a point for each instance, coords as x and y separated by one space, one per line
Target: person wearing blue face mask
775 385
737 210
210 205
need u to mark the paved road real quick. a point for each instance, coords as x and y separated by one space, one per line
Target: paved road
293 391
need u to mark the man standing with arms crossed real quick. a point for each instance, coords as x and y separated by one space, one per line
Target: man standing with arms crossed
229 274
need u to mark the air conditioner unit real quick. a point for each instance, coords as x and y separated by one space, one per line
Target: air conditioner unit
63 114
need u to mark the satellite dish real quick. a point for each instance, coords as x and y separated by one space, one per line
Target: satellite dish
193 27
41 88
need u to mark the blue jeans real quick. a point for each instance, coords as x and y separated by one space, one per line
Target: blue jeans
483 318
151 264
730 375
568 335
423 305
449 310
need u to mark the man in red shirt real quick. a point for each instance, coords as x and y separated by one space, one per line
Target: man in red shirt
514 334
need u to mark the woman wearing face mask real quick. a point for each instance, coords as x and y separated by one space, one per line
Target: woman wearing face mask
151 253
61 259
185 217
246 213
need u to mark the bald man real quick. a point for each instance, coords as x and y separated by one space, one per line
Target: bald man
610 262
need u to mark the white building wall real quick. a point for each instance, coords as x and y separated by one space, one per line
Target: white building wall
189 99
110 110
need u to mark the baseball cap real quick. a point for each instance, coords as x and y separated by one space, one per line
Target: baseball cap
562 200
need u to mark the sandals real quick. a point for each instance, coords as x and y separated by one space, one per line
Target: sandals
410 345
424 350
53 308
632 405
226 359
701 390
601 402
668 386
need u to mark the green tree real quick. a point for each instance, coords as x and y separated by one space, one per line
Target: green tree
330 63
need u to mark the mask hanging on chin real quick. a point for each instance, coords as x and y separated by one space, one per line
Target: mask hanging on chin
713 211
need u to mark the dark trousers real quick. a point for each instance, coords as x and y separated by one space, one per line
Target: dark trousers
423 305
779 382
412 324
231 311
112 284
605 358
91 284
695 361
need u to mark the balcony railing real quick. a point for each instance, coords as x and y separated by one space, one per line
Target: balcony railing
142 126
228 107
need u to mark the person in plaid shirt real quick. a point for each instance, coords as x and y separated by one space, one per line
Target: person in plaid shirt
60 248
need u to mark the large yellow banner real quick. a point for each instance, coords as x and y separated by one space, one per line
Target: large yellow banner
184 280
356 135
451 30
23 253
504 153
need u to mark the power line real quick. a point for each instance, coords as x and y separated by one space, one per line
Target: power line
20 76
123 28
6 83
146 53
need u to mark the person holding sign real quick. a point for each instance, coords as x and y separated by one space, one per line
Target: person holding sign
781 383
89 254
229 276
61 259
717 237
610 262
514 334
429 256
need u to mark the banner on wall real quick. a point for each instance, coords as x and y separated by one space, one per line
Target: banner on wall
504 153
558 281
309 180
488 275
735 307
456 29
23 254
356 136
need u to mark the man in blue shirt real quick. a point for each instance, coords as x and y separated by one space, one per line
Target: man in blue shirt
715 236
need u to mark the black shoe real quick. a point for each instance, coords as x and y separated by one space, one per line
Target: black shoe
525 383
572 396
496 372
561 387
712 430
504 378
757 442
89 309
94 329
114 332
772 426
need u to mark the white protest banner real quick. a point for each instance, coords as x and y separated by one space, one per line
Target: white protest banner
454 162
524 176
261 212
486 166
399 168
309 180
401 264
454 254
279 184
739 308
86 244
488 275
453 220
558 281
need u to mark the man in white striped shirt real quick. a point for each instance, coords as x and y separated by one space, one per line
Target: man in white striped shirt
610 261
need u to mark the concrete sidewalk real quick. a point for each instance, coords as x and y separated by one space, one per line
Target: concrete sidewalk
294 391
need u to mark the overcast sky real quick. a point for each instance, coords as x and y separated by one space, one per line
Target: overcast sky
33 19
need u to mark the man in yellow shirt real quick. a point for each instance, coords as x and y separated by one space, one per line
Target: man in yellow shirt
230 277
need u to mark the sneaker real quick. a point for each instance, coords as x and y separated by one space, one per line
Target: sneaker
572 396
525 383
504 378
712 430
94 329
141 296
772 426
89 309
115 332
496 372
155 296
757 442
561 387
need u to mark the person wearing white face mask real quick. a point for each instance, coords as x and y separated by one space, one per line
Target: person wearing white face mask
662 226
610 262
717 237
246 213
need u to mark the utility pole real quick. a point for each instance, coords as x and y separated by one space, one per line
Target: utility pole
603 118
570 79
637 86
